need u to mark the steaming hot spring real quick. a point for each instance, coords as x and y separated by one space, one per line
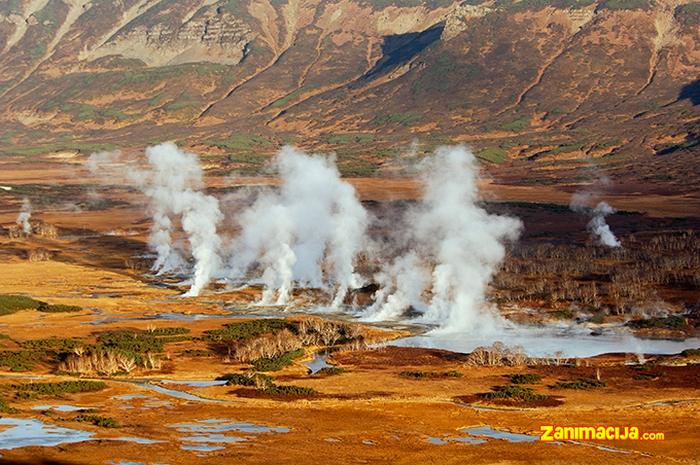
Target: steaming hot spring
427 267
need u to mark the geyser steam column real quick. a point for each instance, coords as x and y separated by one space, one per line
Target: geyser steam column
450 234
173 188
308 232
172 182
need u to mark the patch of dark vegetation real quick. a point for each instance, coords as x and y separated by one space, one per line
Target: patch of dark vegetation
524 5
269 345
197 353
130 342
58 308
583 279
647 376
245 379
430 374
525 378
60 387
21 360
5 407
288 390
625 5
330 371
279 362
14 303
509 391
691 353
581 384
245 330
688 14
98 420
172 331
668 322
52 344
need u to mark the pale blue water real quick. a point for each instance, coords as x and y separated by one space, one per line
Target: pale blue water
23 432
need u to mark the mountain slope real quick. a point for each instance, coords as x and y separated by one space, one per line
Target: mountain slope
539 88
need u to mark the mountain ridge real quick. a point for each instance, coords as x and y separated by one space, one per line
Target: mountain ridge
538 88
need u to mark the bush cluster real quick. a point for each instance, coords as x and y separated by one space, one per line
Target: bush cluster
514 392
581 383
60 387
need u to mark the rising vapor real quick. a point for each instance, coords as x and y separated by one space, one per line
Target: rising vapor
583 201
459 244
173 184
308 233
25 213
600 228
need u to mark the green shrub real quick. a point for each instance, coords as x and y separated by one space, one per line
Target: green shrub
245 330
60 387
417 374
430 374
669 322
330 371
525 378
690 352
347 138
21 360
245 379
510 391
647 376
5 407
517 124
581 383
13 303
626 4
277 363
168 331
58 308
288 390
130 342
52 344
98 420
493 154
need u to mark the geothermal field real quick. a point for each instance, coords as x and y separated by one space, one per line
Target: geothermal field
304 232
155 313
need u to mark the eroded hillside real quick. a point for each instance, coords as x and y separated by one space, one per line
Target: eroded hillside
541 89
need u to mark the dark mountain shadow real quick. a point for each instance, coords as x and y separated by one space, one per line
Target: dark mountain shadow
692 141
691 92
400 48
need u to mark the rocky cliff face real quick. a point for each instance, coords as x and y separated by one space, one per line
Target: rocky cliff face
209 36
536 86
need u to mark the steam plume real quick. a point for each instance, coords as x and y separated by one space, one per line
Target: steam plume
23 217
173 182
583 201
450 234
309 232
599 228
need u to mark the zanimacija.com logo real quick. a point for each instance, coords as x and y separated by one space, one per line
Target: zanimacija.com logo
605 433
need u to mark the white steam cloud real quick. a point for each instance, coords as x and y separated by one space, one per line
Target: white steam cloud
455 238
600 229
311 231
25 213
307 233
172 183
583 201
